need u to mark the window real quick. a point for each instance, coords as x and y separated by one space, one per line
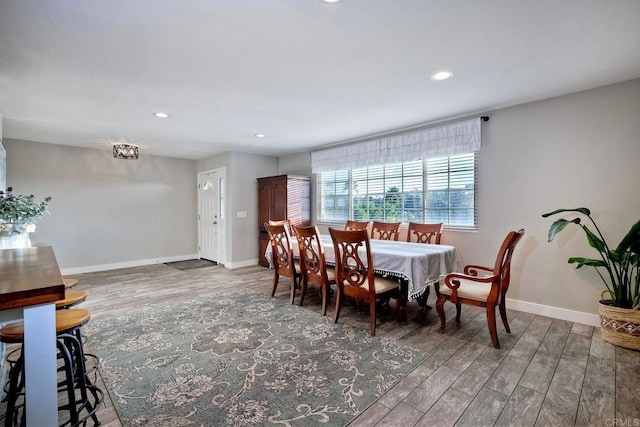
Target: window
439 189
334 187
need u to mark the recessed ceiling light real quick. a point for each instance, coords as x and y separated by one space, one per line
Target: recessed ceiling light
441 75
160 115
331 1
260 135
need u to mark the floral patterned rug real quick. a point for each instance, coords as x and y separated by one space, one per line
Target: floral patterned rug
241 359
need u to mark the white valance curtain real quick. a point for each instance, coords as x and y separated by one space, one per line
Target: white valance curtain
442 140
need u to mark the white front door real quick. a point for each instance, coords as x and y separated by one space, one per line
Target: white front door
211 218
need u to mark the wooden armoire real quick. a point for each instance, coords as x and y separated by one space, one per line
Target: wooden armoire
282 197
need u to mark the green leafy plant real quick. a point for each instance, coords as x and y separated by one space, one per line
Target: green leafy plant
21 209
618 268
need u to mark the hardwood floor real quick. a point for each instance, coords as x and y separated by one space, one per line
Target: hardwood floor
548 371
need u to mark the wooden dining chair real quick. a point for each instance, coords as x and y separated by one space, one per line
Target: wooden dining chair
285 222
424 233
482 286
355 273
356 225
429 234
385 230
282 257
313 264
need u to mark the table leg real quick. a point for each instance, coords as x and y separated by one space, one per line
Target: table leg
41 392
404 293
422 299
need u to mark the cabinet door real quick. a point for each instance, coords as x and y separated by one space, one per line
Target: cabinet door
279 201
264 204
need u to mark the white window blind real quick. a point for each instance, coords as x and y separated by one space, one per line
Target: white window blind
436 141
440 189
450 190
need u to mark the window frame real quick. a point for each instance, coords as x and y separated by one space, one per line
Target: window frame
425 190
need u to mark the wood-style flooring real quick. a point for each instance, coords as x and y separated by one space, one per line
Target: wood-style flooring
548 371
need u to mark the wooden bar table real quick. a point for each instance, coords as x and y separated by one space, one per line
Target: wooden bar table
31 282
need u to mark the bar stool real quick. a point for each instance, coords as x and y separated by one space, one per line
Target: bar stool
71 297
70 350
69 282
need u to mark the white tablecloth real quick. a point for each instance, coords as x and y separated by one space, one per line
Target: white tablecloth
419 264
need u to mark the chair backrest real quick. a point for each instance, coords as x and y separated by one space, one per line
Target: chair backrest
312 259
424 233
385 230
356 225
284 222
281 249
354 267
502 267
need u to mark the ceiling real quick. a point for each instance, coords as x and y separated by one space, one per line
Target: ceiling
303 72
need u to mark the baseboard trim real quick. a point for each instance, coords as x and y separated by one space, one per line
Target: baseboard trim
240 264
127 264
555 312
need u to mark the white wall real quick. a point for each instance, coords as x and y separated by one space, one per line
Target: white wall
576 150
295 164
105 212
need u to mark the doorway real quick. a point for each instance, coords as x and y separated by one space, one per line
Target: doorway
211 215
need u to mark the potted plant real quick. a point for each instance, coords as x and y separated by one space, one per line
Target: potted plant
18 215
619 269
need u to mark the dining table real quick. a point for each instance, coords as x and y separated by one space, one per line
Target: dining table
416 265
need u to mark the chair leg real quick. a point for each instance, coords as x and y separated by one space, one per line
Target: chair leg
276 277
325 292
372 316
303 290
292 293
503 315
440 310
491 321
339 298
458 311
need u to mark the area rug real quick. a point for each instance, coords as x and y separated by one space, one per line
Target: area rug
191 264
241 359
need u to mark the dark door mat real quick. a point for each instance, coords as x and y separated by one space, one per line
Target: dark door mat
191 264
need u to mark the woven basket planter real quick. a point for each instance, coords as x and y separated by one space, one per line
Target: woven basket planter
620 326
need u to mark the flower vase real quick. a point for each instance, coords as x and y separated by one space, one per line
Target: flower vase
14 235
